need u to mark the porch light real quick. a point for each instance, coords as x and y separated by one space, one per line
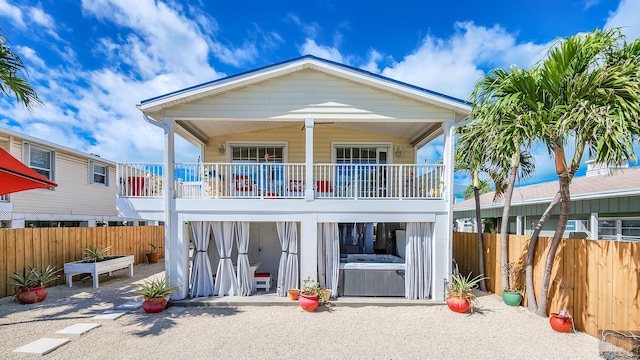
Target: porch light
221 149
398 151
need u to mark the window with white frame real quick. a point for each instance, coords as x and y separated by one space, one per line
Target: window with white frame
98 173
257 154
41 160
257 168
627 229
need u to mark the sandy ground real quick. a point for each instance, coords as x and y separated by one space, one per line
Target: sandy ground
494 331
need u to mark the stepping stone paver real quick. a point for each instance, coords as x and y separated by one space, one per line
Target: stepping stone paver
131 305
78 329
110 315
41 346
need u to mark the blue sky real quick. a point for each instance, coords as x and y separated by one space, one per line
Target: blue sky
92 61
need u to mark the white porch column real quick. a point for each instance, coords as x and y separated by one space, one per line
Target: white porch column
308 159
180 257
171 239
308 247
519 230
443 232
593 226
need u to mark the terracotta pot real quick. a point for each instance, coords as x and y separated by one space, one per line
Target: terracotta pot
154 305
32 295
511 297
561 323
152 258
458 305
309 302
293 294
325 294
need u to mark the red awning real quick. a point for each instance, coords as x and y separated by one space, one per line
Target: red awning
16 176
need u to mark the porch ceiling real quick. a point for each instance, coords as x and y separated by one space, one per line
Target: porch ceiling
205 129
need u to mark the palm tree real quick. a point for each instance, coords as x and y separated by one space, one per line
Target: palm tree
589 92
495 102
484 187
12 76
474 156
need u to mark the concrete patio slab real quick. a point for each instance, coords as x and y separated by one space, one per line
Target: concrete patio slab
77 329
41 346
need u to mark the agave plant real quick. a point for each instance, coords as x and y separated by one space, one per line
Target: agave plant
33 278
155 289
461 286
95 253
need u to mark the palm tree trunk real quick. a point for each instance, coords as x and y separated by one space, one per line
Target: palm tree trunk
504 226
476 194
531 295
565 210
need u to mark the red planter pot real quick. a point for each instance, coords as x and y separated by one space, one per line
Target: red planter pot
154 305
309 302
458 305
561 323
32 295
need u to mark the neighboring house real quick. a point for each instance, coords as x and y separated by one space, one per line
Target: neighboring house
313 165
605 204
86 192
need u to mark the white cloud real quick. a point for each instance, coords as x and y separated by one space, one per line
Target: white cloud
627 16
452 66
167 33
326 52
13 13
310 29
38 16
27 16
94 110
372 62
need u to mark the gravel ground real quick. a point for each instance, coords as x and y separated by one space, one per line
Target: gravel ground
494 331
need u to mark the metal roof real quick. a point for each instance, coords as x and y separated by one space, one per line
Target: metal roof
622 182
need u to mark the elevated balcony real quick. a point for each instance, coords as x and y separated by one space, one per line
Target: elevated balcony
283 181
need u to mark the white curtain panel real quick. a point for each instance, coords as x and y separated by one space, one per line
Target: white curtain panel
201 276
281 289
226 283
418 261
292 277
329 255
245 276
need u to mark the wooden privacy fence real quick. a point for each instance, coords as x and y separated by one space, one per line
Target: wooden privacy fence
40 247
602 280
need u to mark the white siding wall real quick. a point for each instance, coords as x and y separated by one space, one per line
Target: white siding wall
74 195
309 93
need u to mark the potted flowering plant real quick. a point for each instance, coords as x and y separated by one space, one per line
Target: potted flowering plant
309 299
511 295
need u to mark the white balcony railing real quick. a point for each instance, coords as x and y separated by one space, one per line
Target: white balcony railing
278 180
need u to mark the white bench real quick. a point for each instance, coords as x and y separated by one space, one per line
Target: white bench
97 268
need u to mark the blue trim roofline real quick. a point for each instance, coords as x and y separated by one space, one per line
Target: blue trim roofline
331 62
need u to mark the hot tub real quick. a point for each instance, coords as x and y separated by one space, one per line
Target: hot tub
371 275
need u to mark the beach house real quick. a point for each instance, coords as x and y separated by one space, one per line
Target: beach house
309 170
